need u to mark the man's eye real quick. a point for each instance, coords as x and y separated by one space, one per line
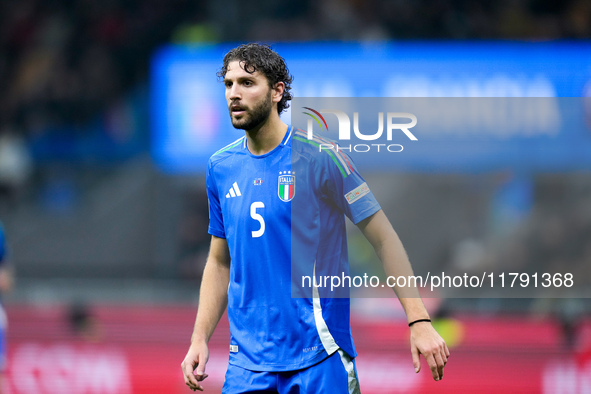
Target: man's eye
248 83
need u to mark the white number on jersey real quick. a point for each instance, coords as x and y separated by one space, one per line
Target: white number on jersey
253 214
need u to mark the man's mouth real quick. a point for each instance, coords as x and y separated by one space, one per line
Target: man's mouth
237 110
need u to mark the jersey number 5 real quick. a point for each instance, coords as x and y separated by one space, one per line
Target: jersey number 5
253 214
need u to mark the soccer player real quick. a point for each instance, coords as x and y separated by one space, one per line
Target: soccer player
281 343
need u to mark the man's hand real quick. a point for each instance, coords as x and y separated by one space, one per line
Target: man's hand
426 341
193 365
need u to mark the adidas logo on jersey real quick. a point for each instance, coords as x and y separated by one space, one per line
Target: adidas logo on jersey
234 191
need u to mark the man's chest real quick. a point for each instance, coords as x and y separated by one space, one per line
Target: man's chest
256 193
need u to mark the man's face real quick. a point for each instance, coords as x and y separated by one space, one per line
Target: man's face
248 96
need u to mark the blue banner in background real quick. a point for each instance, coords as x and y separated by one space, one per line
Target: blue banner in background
190 119
452 134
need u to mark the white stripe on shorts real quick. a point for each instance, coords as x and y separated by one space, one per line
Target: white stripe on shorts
351 375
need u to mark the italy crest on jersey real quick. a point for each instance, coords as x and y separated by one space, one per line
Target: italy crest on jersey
286 189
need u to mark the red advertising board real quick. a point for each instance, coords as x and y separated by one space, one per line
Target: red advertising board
138 349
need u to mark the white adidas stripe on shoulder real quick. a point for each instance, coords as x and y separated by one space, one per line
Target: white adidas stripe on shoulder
230 145
288 136
338 154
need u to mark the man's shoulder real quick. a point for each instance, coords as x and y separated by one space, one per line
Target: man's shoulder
227 151
320 150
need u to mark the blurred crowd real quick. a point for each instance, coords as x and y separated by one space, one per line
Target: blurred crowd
62 61
555 235
421 19
549 234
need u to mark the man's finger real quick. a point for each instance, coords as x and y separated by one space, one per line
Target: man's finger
416 361
440 364
432 365
190 379
443 356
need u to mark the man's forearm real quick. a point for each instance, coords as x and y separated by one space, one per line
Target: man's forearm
391 253
396 263
213 299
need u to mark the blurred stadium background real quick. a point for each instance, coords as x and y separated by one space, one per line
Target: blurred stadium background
109 109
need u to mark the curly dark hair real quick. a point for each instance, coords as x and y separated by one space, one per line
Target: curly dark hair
260 57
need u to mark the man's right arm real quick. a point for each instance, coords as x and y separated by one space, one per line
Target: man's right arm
213 300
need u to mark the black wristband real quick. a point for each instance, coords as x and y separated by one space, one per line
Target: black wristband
418 321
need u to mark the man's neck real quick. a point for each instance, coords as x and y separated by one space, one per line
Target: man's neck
267 137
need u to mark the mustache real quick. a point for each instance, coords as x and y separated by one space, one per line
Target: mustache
235 106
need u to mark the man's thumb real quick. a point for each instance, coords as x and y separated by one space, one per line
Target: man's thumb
200 367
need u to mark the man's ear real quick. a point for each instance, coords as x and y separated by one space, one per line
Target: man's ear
277 92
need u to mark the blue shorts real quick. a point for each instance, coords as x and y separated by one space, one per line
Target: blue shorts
335 374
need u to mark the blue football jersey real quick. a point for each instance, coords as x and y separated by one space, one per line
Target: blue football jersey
283 216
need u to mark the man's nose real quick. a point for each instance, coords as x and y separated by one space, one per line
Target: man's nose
234 92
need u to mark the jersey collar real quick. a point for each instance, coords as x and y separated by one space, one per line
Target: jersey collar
285 142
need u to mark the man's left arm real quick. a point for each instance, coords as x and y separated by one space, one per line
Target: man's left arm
423 337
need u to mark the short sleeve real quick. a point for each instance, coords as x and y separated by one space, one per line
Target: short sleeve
216 220
346 188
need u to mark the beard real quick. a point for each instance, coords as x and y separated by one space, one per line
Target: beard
255 116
